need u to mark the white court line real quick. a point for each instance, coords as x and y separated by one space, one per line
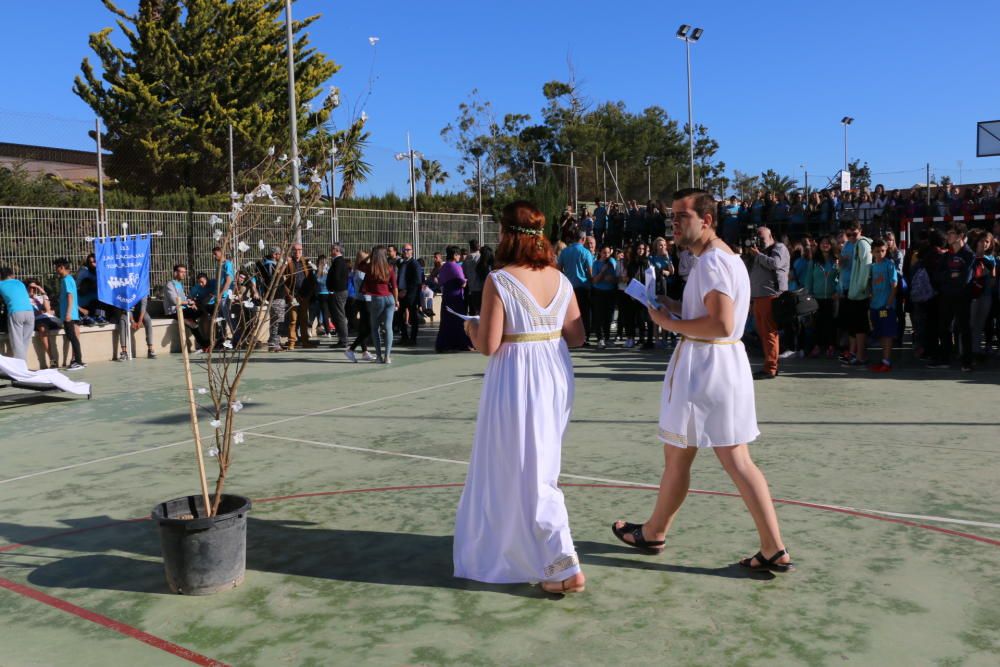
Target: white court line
249 428
380 452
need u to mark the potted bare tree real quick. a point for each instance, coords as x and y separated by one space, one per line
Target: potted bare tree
203 536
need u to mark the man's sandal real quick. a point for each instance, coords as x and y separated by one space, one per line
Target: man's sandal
652 547
768 564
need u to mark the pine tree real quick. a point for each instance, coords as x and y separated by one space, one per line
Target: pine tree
190 68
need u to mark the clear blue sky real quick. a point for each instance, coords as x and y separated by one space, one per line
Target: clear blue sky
771 84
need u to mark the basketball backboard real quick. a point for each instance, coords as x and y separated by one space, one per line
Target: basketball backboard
988 138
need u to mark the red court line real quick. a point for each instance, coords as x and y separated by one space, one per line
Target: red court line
110 623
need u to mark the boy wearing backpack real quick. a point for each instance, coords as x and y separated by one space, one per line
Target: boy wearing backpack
885 278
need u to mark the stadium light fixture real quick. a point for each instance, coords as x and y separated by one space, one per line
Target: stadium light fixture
685 33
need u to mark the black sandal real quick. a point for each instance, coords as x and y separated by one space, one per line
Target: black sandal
768 564
640 542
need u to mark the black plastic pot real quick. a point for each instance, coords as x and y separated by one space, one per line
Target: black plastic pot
202 554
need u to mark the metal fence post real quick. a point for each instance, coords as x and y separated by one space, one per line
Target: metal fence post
416 234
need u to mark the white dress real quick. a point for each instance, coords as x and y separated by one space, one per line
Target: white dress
512 525
708 395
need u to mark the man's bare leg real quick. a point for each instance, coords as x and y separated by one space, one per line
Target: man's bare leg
674 484
753 489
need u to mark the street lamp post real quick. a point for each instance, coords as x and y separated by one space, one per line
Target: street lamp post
410 155
688 35
293 121
845 121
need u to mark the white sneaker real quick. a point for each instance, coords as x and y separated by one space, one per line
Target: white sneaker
600 344
351 356
367 356
388 359
786 354
630 343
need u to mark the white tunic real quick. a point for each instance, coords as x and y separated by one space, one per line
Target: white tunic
708 395
512 525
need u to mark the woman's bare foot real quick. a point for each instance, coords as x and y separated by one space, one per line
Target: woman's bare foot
574 584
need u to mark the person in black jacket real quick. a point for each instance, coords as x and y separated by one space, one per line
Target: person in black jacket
955 287
410 280
336 284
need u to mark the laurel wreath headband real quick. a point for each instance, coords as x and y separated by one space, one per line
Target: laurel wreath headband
525 230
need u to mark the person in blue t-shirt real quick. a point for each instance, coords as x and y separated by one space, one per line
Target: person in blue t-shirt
604 295
20 313
226 278
576 263
883 303
69 311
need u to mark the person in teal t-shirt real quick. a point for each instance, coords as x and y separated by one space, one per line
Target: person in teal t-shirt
604 295
883 304
20 313
69 311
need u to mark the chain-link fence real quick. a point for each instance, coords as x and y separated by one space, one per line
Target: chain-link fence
30 238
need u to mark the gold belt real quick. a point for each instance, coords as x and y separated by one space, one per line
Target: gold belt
711 341
531 337
692 339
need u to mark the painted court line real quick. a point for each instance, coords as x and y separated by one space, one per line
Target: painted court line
196 658
249 428
835 508
109 623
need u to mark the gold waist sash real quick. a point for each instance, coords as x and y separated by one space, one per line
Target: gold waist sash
531 337
711 341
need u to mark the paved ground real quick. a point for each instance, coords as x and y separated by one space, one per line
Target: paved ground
356 471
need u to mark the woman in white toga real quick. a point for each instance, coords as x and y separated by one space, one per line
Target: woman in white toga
708 394
512 525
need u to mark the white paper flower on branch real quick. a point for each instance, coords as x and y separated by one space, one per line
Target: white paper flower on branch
202 390
236 406
213 451
215 423
373 40
238 438
364 117
260 244
242 247
215 220
309 224
283 157
270 151
217 234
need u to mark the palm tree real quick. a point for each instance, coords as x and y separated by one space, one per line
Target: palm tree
431 172
351 145
772 181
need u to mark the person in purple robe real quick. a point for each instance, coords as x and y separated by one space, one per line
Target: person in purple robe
451 334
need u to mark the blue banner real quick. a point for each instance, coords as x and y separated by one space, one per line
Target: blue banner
122 270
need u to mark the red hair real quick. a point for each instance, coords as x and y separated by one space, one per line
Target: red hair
522 238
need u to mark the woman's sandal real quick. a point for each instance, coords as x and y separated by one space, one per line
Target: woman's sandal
560 587
639 542
768 564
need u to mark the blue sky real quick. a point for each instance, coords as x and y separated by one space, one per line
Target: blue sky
771 80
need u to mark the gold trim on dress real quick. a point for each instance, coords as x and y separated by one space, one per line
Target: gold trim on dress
561 565
674 437
531 337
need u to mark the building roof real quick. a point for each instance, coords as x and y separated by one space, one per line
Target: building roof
48 154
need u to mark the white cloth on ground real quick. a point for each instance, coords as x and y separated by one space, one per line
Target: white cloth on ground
512 525
708 394
17 370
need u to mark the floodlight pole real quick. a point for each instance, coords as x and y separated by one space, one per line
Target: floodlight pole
293 121
479 191
687 47
101 219
334 226
232 172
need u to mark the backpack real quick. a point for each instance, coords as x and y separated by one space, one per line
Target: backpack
921 289
792 305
